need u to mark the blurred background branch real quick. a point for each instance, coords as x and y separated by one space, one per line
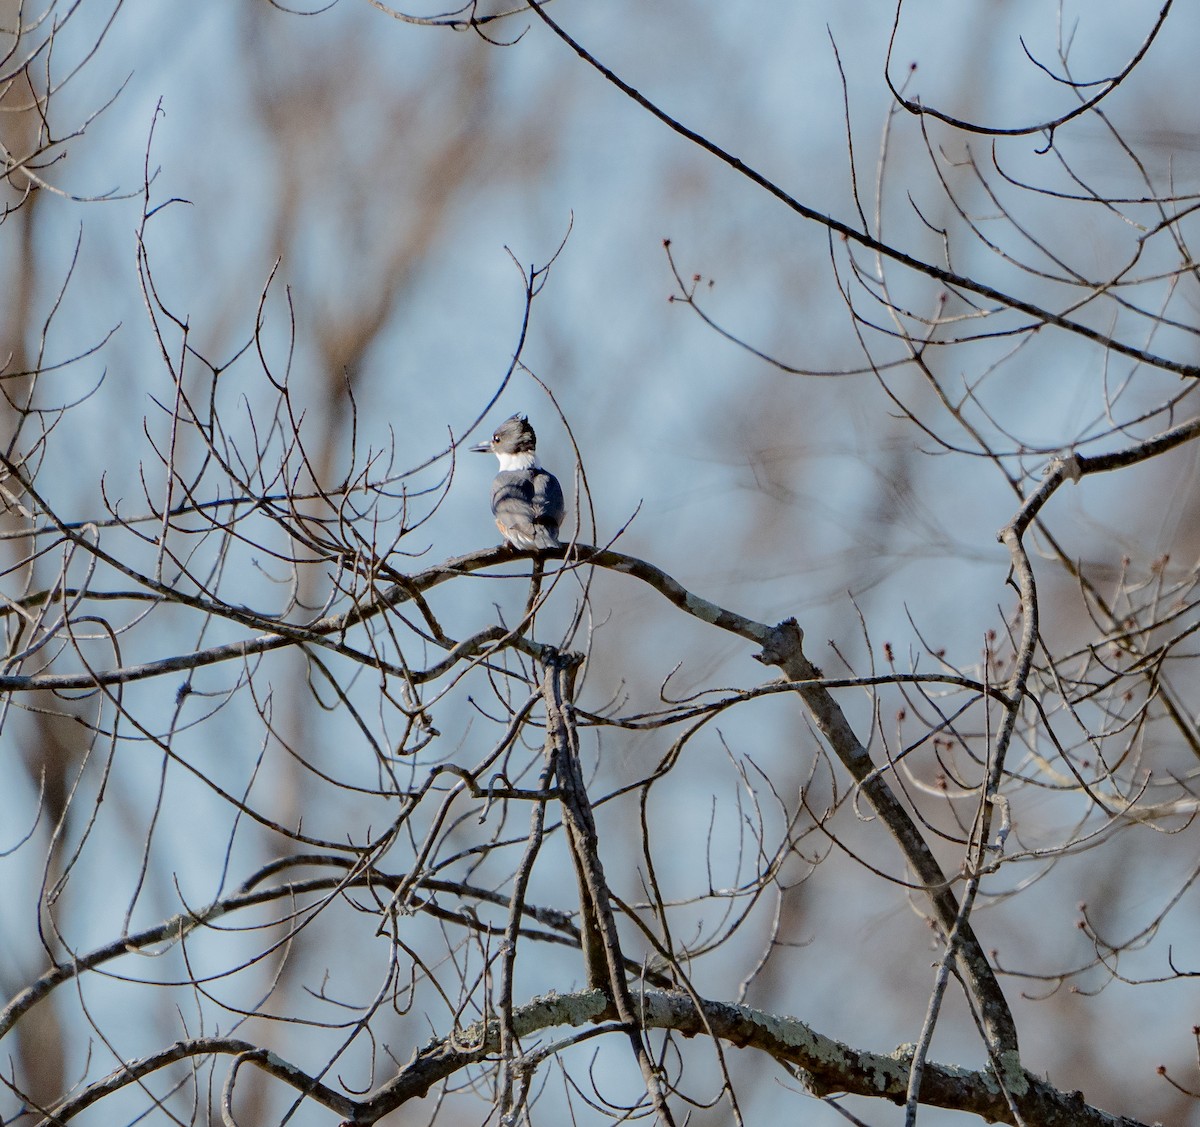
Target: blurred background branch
273 710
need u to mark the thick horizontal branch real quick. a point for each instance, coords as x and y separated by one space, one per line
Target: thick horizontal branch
829 1066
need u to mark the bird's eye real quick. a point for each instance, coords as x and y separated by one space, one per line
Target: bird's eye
496 437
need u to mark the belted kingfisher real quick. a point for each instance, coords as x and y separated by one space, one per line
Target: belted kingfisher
527 500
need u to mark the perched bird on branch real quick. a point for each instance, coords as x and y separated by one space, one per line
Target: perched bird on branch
527 500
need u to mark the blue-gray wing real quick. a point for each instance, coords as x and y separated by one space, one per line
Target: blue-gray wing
528 506
549 507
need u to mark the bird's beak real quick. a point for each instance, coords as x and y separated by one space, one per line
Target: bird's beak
482 448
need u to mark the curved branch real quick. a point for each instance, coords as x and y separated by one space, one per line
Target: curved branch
131 1072
1071 467
1108 84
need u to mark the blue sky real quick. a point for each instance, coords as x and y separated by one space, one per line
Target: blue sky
315 141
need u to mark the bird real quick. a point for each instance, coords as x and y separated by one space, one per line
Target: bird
527 500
